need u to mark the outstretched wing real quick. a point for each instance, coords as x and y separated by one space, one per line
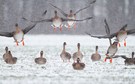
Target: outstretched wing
131 31
105 36
44 13
7 34
43 20
27 29
122 56
63 19
85 7
60 10
107 30
107 27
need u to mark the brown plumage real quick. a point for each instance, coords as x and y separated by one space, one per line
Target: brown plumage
11 59
96 56
129 61
6 56
40 60
78 65
77 54
65 55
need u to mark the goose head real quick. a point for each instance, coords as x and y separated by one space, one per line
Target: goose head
17 28
78 60
64 44
41 54
78 46
55 12
96 48
6 49
71 11
133 54
9 52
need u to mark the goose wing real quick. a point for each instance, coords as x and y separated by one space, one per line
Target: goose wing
122 56
7 34
44 13
63 19
131 31
43 20
59 10
84 7
27 29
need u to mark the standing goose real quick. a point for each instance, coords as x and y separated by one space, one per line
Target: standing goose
65 55
78 65
18 34
11 59
128 61
77 54
96 56
121 35
6 56
71 15
57 21
40 60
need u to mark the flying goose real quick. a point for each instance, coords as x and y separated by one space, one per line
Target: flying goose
71 15
57 21
121 35
18 34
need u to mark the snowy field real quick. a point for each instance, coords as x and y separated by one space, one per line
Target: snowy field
25 71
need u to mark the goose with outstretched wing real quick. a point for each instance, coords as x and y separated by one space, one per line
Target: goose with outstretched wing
128 61
19 33
57 21
71 15
121 35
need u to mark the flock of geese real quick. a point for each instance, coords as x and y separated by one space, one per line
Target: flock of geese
71 20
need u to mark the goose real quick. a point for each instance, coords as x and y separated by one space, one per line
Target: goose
57 21
18 34
121 35
40 60
71 15
128 61
65 55
78 65
112 49
10 59
6 56
77 54
96 56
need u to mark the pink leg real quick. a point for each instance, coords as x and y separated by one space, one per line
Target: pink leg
111 60
23 42
125 43
106 58
61 28
68 27
54 29
17 43
75 26
119 45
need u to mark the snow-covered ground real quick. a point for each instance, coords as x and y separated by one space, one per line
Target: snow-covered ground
25 71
